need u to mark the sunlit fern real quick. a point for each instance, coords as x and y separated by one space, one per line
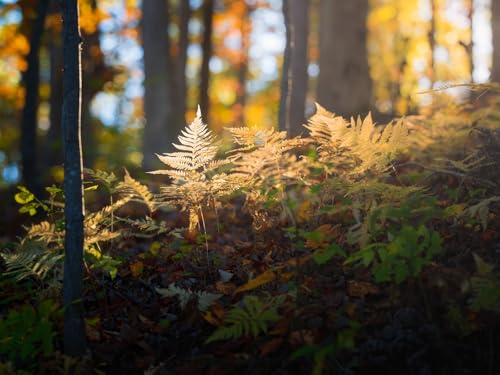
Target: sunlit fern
193 170
253 318
263 165
42 250
357 146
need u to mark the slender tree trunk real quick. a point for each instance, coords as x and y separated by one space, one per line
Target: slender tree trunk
239 107
284 118
208 13
297 76
344 84
495 23
157 87
31 80
184 17
432 43
54 153
74 329
53 141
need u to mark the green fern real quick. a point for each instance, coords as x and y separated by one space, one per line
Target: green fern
252 319
31 259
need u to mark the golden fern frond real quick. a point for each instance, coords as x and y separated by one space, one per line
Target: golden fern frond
356 146
136 189
197 149
96 219
44 231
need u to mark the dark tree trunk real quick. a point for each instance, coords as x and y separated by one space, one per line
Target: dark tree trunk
239 108
283 117
53 143
31 80
495 23
344 84
297 78
159 131
74 329
208 13
184 17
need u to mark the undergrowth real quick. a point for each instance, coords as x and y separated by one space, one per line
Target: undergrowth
374 207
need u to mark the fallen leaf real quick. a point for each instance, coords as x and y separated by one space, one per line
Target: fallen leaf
271 346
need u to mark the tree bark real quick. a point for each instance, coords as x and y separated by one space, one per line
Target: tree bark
157 87
297 78
31 80
495 23
184 17
344 84
53 140
74 329
239 107
208 12
283 116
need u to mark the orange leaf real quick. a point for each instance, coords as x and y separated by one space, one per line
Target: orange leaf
137 268
264 278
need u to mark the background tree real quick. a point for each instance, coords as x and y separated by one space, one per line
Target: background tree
74 329
495 23
31 80
344 84
295 78
184 11
53 143
206 47
158 129
242 65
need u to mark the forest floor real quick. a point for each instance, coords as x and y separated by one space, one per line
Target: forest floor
293 294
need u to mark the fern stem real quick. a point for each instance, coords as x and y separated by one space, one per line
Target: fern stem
205 235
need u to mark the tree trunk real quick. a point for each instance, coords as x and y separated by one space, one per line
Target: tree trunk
432 43
157 89
344 84
296 78
208 13
31 80
53 140
495 23
184 17
239 107
74 329
284 114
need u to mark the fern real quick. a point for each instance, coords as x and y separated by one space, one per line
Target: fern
358 146
204 299
194 182
137 190
253 318
31 259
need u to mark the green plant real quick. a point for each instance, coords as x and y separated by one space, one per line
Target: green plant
28 332
485 286
253 318
409 250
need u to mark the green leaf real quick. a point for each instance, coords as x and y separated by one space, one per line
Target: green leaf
23 197
324 255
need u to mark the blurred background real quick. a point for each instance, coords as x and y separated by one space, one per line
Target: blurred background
148 64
